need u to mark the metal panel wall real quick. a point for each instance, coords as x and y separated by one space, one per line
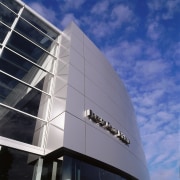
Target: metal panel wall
93 84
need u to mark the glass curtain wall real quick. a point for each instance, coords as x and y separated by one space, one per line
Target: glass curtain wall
27 59
14 165
69 168
17 165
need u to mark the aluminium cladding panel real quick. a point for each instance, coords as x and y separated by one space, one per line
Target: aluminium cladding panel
93 84
65 73
104 91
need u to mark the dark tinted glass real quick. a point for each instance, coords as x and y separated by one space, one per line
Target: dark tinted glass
6 86
32 33
6 15
13 5
3 32
74 169
20 96
25 48
39 24
12 88
17 126
19 67
48 168
14 165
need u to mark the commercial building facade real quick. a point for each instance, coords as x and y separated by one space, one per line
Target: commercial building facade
64 112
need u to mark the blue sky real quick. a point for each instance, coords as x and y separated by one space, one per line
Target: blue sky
141 39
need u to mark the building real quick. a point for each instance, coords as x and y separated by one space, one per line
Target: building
64 112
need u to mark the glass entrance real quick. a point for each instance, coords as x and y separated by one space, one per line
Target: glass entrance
69 168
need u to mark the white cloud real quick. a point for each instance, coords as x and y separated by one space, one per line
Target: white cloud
172 8
162 154
150 98
154 30
141 120
151 68
165 9
126 56
159 131
123 52
175 107
144 69
106 17
160 10
165 174
67 19
150 84
174 53
155 5
152 52
96 27
73 4
143 110
44 11
165 115
100 7
101 29
121 14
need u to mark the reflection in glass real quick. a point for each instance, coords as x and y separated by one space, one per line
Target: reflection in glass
32 33
48 168
39 24
17 126
26 48
6 15
21 96
6 86
67 168
14 165
12 86
19 67
13 5
30 51
74 169
3 31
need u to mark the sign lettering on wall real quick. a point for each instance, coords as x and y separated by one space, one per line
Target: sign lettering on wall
106 125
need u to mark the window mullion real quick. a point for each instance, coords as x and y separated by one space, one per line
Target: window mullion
22 112
25 83
30 61
12 28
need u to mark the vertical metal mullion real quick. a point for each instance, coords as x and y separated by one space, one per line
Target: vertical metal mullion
51 86
38 169
11 30
54 170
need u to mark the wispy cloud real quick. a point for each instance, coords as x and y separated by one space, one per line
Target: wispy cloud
124 50
44 11
67 19
146 72
121 14
154 30
161 12
151 69
172 7
145 52
173 53
100 7
163 8
67 5
106 17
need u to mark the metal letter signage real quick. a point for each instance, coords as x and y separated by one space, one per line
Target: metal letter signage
106 125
